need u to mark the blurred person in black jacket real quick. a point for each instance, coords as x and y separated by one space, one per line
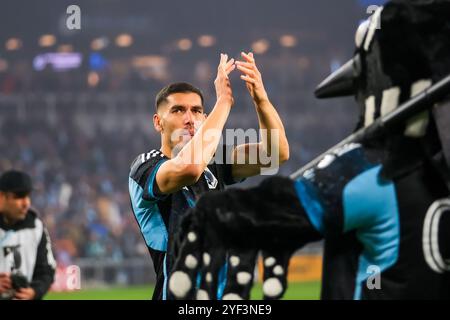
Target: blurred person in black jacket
27 265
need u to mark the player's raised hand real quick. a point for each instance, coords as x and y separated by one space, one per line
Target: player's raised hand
252 77
222 82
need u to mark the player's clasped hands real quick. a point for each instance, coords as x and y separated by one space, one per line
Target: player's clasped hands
250 74
252 77
222 82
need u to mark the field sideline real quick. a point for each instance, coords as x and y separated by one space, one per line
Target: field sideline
295 291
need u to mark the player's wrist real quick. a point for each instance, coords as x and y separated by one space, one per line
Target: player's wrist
225 101
262 102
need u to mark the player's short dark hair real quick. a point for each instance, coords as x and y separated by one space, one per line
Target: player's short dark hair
178 87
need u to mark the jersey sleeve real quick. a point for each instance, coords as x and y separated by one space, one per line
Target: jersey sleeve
143 175
226 165
228 178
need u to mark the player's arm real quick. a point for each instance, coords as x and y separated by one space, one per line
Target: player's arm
44 271
273 147
188 165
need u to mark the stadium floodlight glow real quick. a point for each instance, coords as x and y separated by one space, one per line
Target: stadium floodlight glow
184 44
260 46
149 61
99 43
13 44
206 40
124 40
47 40
151 66
288 41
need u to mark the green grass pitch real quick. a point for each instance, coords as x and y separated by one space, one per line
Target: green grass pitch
295 291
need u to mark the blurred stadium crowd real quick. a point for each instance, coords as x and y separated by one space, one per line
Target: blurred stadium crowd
77 129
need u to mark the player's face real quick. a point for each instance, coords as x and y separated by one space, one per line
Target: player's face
181 117
15 207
